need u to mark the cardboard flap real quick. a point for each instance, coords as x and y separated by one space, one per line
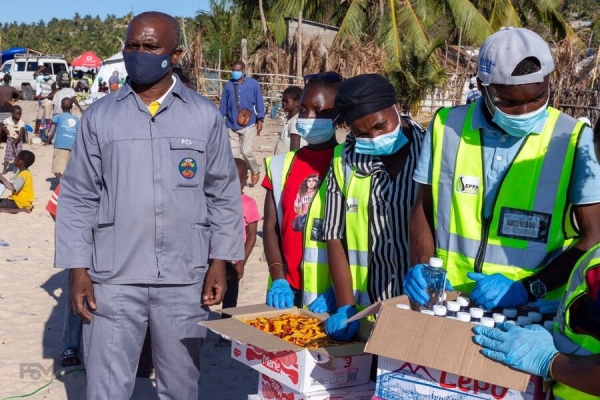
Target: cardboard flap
373 309
438 343
253 309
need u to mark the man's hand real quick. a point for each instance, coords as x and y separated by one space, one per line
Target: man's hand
82 292
259 127
215 283
496 290
239 269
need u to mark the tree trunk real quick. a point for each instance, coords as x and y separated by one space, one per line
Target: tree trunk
263 20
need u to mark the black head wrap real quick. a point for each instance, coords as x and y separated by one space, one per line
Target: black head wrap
364 95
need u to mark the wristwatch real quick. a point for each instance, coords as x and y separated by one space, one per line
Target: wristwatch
537 288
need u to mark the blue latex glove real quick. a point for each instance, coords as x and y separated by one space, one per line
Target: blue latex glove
337 326
415 285
496 290
528 349
547 306
324 303
280 295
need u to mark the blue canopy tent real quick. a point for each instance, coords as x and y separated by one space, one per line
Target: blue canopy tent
9 54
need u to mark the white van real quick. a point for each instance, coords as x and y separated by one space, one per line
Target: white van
22 67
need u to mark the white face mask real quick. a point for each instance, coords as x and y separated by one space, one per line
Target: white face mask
315 130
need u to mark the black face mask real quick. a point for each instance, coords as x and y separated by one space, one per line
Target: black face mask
144 68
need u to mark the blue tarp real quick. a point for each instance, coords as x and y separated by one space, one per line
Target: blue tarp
10 53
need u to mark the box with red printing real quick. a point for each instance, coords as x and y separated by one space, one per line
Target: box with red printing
270 389
300 369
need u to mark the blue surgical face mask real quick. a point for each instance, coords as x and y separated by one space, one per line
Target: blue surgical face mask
315 130
382 145
144 68
519 125
237 75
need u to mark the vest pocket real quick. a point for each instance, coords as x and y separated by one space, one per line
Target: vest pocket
201 240
187 162
103 255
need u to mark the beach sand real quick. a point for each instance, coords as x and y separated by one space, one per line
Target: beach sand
32 299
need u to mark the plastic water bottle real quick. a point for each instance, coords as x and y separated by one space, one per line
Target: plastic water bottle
453 307
439 310
486 321
536 317
435 276
476 314
498 317
510 313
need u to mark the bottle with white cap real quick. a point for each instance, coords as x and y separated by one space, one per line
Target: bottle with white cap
510 313
536 317
463 316
453 307
485 321
427 312
403 306
549 325
439 310
463 302
523 321
476 314
435 276
498 317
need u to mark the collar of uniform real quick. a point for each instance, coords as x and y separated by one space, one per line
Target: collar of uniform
479 121
177 88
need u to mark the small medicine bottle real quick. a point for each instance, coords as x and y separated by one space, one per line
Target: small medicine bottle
463 316
453 307
510 313
463 302
439 310
524 321
549 325
403 306
427 312
498 317
536 317
486 321
476 314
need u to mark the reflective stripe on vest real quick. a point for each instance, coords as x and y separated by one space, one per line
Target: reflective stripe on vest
539 175
315 270
565 340
357 194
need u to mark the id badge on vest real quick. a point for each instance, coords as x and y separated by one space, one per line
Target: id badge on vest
525 225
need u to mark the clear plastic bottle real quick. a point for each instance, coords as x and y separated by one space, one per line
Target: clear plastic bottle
463 316
498 317
476 314
485 321
435 276
463 302
536 317
510 313
439 310
453 307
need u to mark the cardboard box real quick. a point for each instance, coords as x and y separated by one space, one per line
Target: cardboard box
438 343
270 389
398 380
300 369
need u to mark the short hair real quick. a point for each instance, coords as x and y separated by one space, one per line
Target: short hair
162 17
16 108
294 92
67 103
46 69
238 62
27 156
527 66
7 78
323 83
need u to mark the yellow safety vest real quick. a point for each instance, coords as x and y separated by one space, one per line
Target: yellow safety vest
531 219
357 194
315 270
567 341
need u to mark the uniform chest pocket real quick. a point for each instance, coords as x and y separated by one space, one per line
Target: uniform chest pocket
188 160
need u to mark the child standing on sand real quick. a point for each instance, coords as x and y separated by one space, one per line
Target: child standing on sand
14 128
289 138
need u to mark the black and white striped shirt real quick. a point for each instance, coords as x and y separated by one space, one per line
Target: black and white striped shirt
389 212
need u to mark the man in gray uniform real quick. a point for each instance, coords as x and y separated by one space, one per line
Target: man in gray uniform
149 212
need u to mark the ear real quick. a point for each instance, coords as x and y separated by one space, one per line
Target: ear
175 56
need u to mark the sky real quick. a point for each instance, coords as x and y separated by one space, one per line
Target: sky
46 10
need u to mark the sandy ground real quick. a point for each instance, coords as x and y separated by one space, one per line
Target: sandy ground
32 299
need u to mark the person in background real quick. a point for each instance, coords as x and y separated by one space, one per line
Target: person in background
473 94
153 260
65 91
235 270
8 94
501 181
44 92
102 86
14 129
114 82
288 138
241 95
293 236
21 199
370 192
64 130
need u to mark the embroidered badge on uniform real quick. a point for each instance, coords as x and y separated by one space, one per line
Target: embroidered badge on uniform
188 168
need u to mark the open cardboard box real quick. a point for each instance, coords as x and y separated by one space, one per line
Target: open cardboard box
434 342
298 368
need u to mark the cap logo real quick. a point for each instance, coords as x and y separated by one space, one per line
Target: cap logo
486 66
163 64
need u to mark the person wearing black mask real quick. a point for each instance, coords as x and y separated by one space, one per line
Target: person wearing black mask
150 195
